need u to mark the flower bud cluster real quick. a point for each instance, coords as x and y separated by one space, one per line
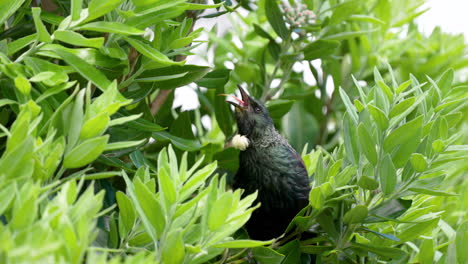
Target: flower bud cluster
297 16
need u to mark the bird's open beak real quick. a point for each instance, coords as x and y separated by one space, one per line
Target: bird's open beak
240 104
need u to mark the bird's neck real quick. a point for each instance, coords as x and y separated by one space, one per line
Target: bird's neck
266 138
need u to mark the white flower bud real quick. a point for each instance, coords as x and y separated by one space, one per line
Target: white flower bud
240 142
149 34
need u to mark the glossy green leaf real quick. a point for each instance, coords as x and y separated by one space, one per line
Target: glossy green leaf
124 144
86 70
388 252
7 8
23 85
151 207
220 211
42 32
243 243
180 143
98 8
112 27
275 18
20 43
147 50
85 153
191 73
94 126
279 107
316 198
77 39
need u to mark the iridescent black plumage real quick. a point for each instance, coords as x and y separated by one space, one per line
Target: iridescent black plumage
271 166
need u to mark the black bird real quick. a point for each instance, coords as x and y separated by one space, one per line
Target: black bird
271 166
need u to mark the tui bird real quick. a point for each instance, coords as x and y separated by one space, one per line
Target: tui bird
271 166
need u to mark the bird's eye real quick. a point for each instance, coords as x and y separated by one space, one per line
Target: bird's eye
257 109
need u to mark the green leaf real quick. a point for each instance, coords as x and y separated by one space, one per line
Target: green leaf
418 161
401 107
320 49
77 39
214 79
262 33
275 18
167 187
127 212
403 86
413 231
426 251
23 85
350 139
94 126
111 27
388 177
180 143
7 8
368 19
367 144
356 215
403 134
438 146
349 107
348 35
75 9
388 252
431 191
151 207
173 250
76 119
43 35
86 70
191 73
379 117
368 183
148 51
124 144
316 198
7 193
219 212
267 255
461 240
279 107
97 8
85 152
20 43
243 243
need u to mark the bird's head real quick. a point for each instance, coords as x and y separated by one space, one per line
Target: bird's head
252 117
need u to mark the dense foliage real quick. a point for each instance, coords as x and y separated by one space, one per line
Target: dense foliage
97 166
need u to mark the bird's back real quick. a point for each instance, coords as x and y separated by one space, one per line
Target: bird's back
276 170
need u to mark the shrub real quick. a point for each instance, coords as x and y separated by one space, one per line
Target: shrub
97 166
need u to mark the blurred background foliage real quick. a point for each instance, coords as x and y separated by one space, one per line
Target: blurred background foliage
98 166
